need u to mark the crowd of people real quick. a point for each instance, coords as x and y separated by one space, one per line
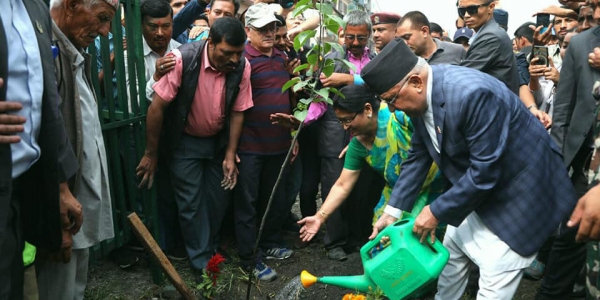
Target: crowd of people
488 145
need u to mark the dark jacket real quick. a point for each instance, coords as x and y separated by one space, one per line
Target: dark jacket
177 112
574 105
486 137
40 200
491 52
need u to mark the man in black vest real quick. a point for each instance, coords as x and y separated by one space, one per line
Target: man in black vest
198 110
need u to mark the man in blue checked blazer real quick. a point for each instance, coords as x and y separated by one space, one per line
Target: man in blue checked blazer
508 186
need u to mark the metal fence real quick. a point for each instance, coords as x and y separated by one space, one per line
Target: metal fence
122 110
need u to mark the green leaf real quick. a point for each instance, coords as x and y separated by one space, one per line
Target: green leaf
326 48
337 92
299 86
301 114
306 101
300 9
302 5
337 20
289 84
336 46
312 58
300 68
329 67
348 64
302 38
324 8
324 92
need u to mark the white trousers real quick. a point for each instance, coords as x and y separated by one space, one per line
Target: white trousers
59 281
500 268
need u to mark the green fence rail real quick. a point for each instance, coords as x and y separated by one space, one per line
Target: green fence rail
122 110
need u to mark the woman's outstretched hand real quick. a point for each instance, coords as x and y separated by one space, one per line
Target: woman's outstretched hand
310 227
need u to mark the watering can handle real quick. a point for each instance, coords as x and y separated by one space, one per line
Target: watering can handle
364 251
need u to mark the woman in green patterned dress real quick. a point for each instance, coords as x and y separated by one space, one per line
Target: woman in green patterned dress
381 140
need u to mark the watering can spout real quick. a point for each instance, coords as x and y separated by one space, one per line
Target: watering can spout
358 283
307 279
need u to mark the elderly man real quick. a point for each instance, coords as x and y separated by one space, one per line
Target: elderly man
198 143
73 32
477 131
34 149
413 28
384 25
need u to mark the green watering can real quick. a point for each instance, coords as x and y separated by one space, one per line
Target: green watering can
401 268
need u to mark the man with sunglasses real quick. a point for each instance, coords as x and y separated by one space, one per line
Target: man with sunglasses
501 204
491 48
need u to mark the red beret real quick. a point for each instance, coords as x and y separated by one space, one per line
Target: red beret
384 18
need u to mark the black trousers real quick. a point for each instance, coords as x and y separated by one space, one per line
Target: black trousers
11 249
567 257
256 179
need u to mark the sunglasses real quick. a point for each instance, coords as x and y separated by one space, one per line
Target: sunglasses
265 29
471 9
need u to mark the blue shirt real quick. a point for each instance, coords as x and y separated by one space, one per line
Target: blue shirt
111 47
25 81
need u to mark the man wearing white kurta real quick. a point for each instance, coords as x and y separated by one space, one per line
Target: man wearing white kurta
58 280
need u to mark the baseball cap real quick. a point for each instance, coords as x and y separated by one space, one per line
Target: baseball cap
259 15
463 32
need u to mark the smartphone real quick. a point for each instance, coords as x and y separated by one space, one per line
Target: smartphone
543 20
541 52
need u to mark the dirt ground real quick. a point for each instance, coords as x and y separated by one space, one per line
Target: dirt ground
107 281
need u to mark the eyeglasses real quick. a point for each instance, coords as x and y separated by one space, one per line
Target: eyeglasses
347 121
360 38
265 29
471 9
405 79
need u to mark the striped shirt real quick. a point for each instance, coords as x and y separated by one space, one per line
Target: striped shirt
268 76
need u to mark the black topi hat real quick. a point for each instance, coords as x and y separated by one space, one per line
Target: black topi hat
390 66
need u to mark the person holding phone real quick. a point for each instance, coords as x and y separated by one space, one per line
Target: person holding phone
545 78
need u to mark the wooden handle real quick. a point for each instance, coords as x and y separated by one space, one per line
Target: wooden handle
150 244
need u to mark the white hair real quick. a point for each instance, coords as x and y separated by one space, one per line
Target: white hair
358 18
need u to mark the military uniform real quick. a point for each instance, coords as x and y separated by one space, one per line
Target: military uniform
593 249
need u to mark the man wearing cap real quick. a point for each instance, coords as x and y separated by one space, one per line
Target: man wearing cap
501 17
384 25
262 148
462 37
491 49
73 32
413 28
500 204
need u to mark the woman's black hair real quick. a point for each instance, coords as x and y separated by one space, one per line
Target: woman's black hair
355 99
